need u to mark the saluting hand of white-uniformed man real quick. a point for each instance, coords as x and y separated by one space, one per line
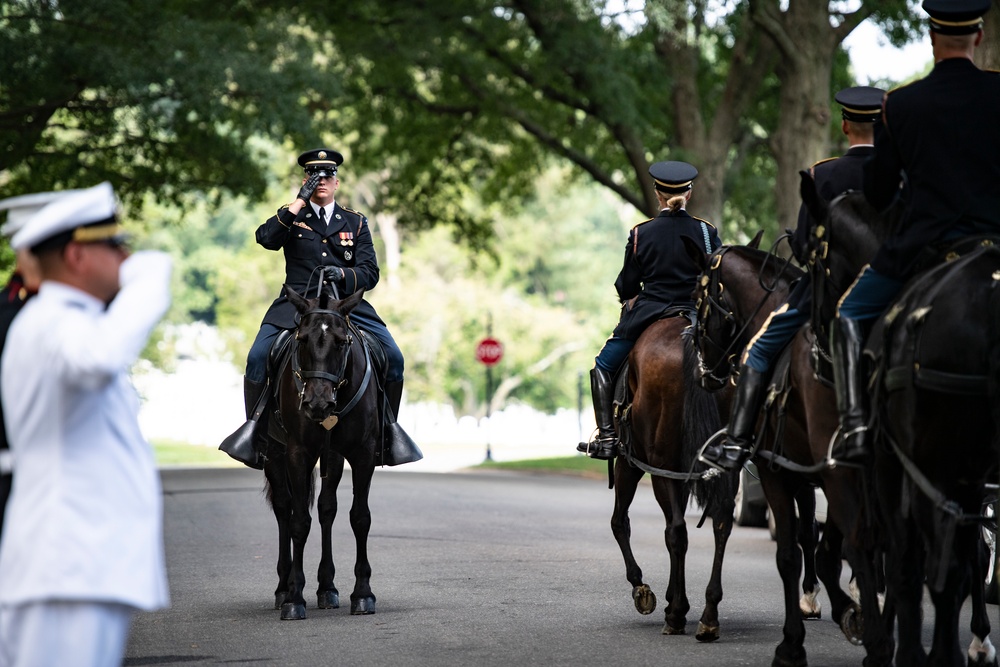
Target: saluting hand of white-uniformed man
308 188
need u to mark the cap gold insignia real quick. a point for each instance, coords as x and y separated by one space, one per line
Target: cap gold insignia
321 155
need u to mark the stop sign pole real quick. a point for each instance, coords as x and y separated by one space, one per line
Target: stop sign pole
489 351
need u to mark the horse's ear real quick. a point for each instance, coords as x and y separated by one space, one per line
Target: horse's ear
755 241
348 304
695 251
297 300
816 205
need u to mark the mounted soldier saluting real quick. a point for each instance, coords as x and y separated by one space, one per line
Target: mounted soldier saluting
320 239
657 274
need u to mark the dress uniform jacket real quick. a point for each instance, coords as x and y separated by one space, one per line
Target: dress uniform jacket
85 517
345 243
942 131
657 271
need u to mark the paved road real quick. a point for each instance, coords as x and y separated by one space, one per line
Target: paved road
469 569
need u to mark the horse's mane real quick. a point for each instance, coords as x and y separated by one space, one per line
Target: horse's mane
772 269
852 213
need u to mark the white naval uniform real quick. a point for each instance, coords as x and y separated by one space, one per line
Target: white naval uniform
84 521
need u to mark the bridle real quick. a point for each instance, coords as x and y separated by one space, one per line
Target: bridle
337 378
712 302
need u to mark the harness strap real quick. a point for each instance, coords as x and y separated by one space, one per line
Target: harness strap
903 377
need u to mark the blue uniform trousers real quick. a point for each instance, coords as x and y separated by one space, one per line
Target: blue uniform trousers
869 296
777 331
613 354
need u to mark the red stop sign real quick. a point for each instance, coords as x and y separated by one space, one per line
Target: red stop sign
489 351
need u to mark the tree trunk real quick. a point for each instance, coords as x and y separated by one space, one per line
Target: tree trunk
988 53
807 43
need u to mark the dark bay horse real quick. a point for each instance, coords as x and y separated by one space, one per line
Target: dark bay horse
936 411
740 286
663 427
327 399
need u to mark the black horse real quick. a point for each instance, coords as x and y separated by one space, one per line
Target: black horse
662 428
328 402
936 422
740 286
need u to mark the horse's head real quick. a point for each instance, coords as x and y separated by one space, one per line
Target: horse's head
844 236
738 286
321 350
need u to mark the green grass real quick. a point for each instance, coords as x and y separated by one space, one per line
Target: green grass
178 453
567 465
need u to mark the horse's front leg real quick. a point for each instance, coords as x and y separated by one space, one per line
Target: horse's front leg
327 596
281 505
300 481
362 599
672 497
981 650
791 651
722 494
807 536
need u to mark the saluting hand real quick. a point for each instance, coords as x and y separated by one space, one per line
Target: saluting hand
308 188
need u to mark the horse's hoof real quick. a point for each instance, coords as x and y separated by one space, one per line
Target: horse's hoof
293 611
644 598
981 653
852 624
327 600
670 630
707 633
364 605
279 599
797 658
810 606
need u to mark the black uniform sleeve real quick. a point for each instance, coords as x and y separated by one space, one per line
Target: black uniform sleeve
365 273
629 278
273 233
883 170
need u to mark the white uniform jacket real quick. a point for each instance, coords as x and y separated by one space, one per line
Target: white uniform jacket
85 519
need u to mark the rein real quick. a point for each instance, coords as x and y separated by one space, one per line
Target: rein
709 302
301 376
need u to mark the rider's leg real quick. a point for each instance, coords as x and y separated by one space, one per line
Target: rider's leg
602 377
776 332
863 302
249 451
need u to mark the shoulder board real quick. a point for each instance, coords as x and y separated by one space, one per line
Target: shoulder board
643 222
902 86
705 221
823 161
351 210
992 71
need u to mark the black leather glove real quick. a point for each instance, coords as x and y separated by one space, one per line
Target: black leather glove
308 188
334 274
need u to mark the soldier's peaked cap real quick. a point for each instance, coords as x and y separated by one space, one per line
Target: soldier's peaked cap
860 103
673 177
85 216
21 209
321 159
956 17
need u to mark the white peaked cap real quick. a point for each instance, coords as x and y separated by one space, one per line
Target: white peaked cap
77 208
20 209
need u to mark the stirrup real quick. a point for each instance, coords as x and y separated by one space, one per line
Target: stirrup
840 455
599 448
738 461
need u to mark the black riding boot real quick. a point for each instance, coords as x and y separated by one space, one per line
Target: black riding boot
736 448
846 339
605 445
397 446
249 440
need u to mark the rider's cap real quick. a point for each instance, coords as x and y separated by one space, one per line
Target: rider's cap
673 177
862 104
321 160
84 216
20 209
956 17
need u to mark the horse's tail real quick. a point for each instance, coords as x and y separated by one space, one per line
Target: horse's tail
701 421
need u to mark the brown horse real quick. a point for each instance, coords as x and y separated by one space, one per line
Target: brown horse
662 428
740 286
327 399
